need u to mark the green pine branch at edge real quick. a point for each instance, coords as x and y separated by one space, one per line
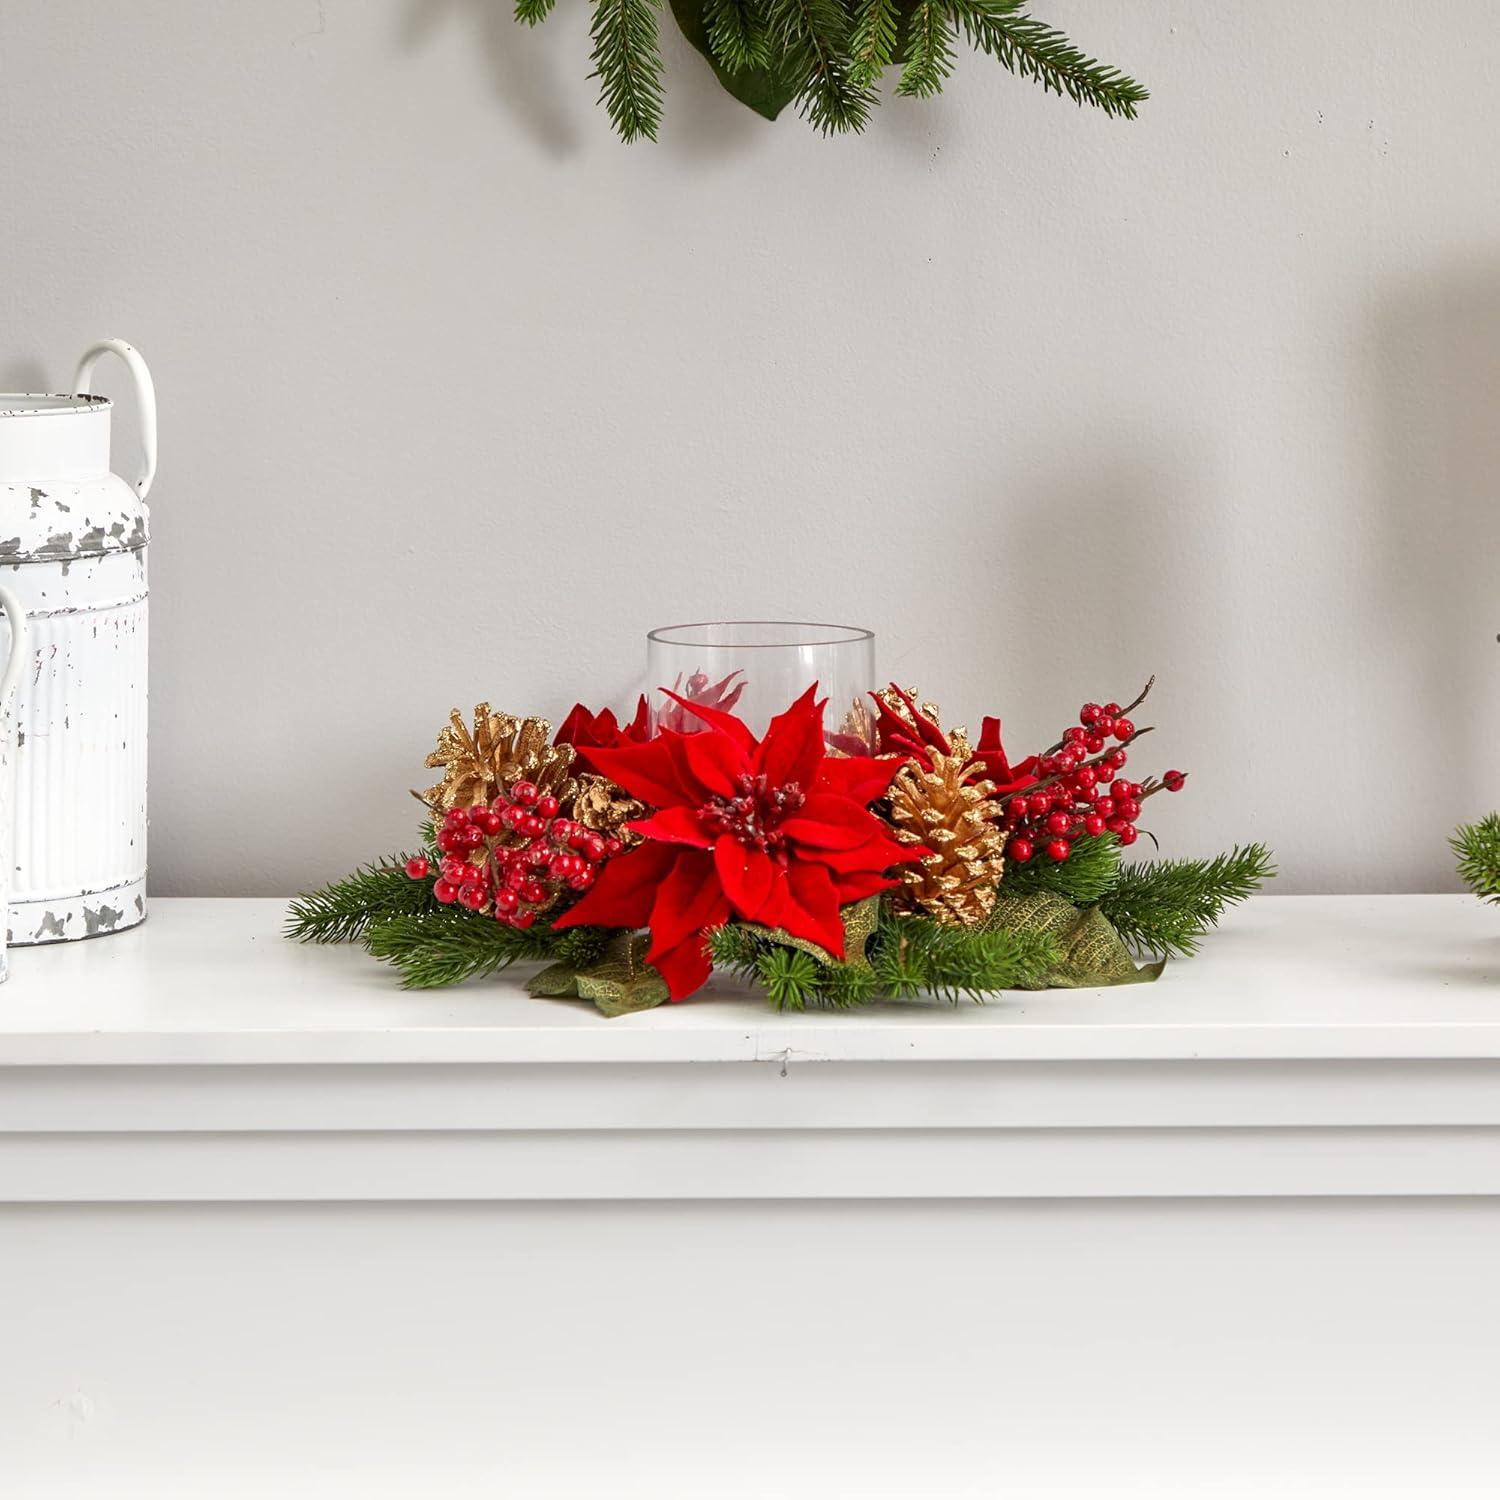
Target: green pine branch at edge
1165 906
1477 846
341 911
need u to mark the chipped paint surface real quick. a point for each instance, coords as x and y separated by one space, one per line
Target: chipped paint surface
73 549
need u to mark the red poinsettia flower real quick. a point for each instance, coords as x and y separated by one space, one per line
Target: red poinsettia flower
698 692
997 768
772 830
591 731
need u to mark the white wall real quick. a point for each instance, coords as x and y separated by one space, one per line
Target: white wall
460 395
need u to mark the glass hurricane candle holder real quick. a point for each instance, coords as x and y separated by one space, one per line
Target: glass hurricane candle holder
756 668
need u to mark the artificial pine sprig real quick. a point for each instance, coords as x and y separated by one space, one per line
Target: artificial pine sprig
1090 871
906 957
827 56
1477 846
1165 906
342 911
627 63
444 946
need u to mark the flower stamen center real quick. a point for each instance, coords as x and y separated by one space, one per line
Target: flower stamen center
755 814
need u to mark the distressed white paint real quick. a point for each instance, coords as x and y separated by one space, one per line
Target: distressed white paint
15 659
73 548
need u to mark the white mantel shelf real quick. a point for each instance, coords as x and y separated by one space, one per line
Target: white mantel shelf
1318 1045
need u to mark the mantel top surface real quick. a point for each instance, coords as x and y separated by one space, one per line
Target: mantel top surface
212 981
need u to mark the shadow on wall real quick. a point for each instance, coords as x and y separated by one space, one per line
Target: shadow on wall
1437 611
536 76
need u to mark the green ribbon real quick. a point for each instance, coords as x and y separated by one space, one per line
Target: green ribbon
619 982
1091 953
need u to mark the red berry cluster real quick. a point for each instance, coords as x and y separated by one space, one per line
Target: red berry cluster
513 857
1081 790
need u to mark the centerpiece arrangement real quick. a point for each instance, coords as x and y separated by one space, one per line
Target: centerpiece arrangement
833 858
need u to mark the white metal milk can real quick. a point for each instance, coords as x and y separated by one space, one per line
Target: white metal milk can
73 549
15 617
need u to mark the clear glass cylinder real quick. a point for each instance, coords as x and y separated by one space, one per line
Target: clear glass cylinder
756 668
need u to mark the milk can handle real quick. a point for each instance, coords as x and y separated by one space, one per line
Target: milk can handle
145 396
12 673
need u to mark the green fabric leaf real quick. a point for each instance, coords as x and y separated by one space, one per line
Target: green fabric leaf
860 920
764 90
619 983
1090 951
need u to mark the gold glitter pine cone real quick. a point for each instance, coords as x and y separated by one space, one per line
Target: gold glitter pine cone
956 819
500 750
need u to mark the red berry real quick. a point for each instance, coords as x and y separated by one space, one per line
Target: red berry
1116 823
523 919
488 823
1130 808
533 892
1016 807
1088 713
1173 781
417 867
1093 824
456 817
1123 729
446 892
1127 835
472 896
1104 725
547 806
1104 774
1058 822
449 839
1118 758
1058 850
612 847
1075 735
593 846
526 792
582 880
1112 709
1038 804
1094 744
1086 777
1019 850
506 902
471 837
1120 790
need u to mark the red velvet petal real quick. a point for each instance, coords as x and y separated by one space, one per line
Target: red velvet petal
651 772
825 821
639 728
715 760
625 891
674 825
877 853
864 883
747 876
684 967
858 776
792 749
736 729
811 909
689 900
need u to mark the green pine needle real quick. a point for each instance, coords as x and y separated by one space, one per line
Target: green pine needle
928 59
1090 870
447 945
1477 846
736 32
812 37
1031 49
533 12
789 975
872 44
340 912
627 63
1165 906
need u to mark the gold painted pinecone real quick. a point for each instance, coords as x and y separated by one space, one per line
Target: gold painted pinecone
606 808
957 820
500 750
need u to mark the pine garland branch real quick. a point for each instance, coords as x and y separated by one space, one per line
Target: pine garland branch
928 59
872 45
627 63
533 12
812 37
1164 907
445 946
341 911
736 32
1477 846
1031 49
1091 870
907 957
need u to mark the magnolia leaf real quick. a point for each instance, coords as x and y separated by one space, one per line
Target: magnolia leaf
555 982
1090 951
766 92
860 920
